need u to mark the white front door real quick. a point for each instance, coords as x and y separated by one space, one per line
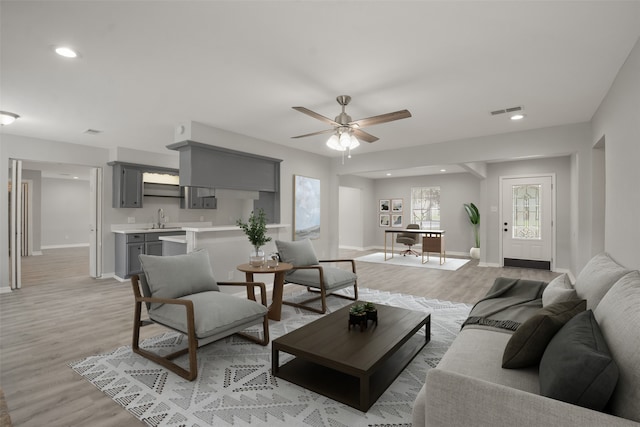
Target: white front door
527 221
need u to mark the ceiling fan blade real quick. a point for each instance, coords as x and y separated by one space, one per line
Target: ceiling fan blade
315 133
364 136
316 115
383 118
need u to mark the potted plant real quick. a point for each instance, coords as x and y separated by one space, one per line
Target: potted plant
255 229
474 218
358 316
372 312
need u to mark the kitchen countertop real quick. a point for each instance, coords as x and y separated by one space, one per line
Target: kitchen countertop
147 228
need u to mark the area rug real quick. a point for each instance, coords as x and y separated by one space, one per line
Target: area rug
415 261
235 386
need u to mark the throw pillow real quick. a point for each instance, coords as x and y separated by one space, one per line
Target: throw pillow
597 277
178 275
618 316
298 253
558 290
577 366
528 343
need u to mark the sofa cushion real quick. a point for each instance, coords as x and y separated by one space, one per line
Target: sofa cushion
528 343
178 275
597 277
299 253
577 366
618 315
478 353
558 290
214 313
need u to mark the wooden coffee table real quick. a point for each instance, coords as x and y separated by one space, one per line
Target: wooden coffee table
348 365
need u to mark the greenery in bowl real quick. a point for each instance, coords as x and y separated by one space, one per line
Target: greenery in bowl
255 228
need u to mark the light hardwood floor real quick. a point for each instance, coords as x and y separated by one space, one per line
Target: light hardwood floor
61 315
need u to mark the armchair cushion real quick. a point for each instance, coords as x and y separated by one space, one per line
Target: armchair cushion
334 278
214 313
178 275
299 253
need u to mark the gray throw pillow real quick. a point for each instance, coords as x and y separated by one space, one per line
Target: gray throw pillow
558 290
597 277
178 275
577 366
528 343
299 253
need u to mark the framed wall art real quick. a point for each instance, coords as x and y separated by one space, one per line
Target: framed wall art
396 205
306 205
385 205
385 220
396 220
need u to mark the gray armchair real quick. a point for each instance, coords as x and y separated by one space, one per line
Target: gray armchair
181 293
409 239
317 275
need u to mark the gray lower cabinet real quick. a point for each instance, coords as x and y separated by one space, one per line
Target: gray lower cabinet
129 246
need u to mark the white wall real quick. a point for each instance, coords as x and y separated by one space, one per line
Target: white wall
618 121
351 228
65 212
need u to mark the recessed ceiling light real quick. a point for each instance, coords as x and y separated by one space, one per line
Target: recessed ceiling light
388 174
517 117
75 177
67 52
443 170
6 118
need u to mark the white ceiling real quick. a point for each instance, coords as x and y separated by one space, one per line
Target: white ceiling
146 66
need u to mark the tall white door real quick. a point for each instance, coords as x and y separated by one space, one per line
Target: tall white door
15 229
95 222
527 221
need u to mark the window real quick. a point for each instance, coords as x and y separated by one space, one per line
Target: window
425 207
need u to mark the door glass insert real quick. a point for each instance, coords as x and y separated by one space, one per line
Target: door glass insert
526 212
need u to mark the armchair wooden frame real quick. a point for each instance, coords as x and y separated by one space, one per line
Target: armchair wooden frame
193 341
322 291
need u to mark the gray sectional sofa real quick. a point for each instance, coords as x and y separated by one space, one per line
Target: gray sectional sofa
469 387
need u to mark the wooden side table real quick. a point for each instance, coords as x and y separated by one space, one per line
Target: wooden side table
275 309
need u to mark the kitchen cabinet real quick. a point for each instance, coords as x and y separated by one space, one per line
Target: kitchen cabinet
129 246
191 200
128 183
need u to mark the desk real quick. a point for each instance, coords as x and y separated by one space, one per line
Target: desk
432 241
275 309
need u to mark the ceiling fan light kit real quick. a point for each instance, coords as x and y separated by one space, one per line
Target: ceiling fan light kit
345 131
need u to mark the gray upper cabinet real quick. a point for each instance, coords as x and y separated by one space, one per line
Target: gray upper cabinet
203 165
127 186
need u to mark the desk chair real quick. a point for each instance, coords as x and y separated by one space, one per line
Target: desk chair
409 239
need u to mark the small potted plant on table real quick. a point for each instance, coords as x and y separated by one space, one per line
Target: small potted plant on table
372 312
358 316
256 230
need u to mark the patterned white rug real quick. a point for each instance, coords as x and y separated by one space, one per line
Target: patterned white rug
414 261
235 386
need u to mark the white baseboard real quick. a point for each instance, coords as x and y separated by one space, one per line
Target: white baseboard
73 245
5 289
489 264
36 253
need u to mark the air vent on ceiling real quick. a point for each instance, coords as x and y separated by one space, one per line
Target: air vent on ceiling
92 131
507 110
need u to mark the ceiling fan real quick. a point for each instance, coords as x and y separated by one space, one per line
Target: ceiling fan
344 126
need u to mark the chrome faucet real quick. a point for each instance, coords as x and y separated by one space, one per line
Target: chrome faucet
160 223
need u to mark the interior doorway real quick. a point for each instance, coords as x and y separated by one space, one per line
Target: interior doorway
66 230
